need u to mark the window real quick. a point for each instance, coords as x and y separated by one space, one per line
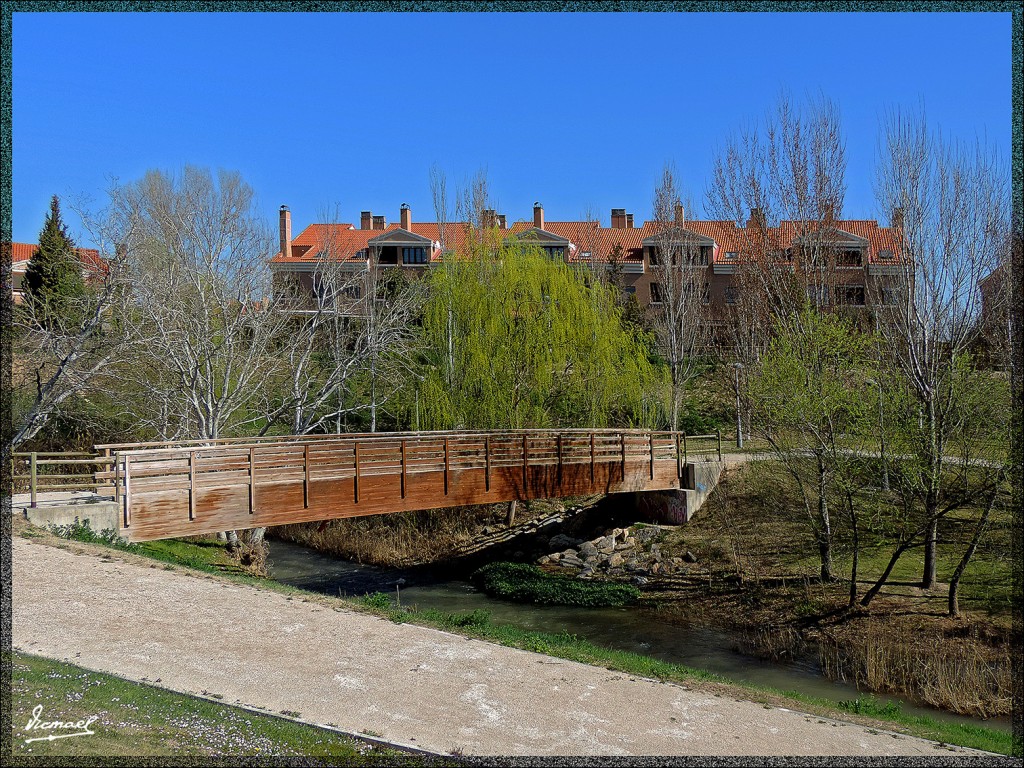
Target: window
890 296
657 294
850 295
850 258
585 255
817 295
886 255
555 251
732 295
416 255
707 293
353 291
653 256
630 289
731 255
705 254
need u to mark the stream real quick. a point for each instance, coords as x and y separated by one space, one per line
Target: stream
625 629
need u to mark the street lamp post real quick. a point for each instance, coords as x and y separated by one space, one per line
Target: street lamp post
739 415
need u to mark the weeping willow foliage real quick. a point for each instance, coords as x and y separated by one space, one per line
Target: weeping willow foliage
516 339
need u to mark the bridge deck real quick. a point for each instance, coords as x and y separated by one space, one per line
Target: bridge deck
174 490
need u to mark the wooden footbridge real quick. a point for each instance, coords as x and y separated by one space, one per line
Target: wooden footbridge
169 490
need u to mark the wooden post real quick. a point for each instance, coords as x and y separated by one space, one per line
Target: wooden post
305 479
510 520
252 481
117 481
403 469
127 491
719 433
686 460
525 481
651 440
592 458
191 485
32 477
679 459
558 468
446 466
487 463
622 445
355 477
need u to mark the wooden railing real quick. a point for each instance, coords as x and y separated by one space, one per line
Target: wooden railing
30 476
193 487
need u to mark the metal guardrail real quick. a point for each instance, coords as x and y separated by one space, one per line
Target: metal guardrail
57 481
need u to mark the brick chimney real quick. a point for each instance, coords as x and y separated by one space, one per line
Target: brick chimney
618 218
379 223
538 216
897 218
406 217
502 224
756 220
629 221
680 214
489 218
286 232
366 220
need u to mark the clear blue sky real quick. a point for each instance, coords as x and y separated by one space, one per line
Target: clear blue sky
574 110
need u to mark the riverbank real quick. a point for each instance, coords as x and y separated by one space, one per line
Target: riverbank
565 645
746 564
410 684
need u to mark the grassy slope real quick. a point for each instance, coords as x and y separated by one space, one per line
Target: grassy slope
136 719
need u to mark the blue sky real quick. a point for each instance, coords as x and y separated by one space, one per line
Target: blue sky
575 110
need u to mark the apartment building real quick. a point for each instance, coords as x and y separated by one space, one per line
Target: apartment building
861 258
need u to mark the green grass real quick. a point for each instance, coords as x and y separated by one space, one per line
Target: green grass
526 583
137 719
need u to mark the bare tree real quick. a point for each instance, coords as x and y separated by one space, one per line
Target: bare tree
680 266
954 201
787 175
58 356
202 314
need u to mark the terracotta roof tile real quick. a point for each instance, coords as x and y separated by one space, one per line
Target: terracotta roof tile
92 262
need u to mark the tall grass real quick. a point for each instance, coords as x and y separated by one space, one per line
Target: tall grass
966 676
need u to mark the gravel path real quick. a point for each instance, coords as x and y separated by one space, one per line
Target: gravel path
409 684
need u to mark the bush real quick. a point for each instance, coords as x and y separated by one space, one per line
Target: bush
525 583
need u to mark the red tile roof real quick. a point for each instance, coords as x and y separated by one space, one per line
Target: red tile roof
92 262
344 240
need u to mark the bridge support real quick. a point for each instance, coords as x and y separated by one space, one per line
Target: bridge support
675 507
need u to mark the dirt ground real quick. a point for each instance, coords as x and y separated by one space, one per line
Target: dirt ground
411 685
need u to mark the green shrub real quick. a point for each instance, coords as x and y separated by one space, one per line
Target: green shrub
525 583
377 600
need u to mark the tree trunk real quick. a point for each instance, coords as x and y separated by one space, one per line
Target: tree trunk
856 548
954 581
930 540
870 594
825 535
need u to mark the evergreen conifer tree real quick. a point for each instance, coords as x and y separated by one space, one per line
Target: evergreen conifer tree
54 274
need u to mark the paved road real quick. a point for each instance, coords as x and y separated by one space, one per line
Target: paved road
413 685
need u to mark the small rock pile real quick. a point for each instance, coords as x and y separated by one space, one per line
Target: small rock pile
632 551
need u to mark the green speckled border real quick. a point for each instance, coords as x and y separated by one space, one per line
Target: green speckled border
652 6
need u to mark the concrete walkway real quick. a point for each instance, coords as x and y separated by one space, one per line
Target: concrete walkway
409 684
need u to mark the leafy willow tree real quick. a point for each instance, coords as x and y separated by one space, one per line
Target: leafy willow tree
53 280
535 345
